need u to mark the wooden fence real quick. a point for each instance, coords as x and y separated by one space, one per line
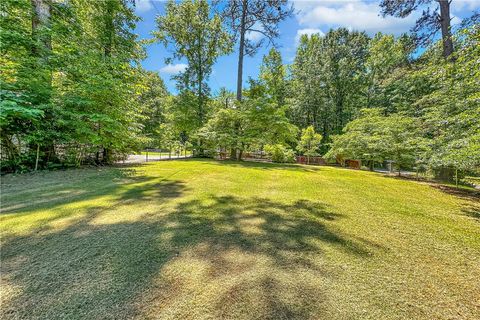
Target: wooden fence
354 164
261 156
311 160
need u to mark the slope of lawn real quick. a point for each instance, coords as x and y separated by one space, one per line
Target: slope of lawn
200 239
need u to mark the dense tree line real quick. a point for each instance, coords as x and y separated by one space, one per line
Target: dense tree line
70 82
73 91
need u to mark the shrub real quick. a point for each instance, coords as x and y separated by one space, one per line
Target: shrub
280 153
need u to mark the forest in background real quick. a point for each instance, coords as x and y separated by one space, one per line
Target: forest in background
73 90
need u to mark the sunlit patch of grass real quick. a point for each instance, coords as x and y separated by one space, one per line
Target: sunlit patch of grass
205 239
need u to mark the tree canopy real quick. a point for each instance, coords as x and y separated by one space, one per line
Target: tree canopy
73 90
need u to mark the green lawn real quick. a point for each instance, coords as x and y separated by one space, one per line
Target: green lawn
200 239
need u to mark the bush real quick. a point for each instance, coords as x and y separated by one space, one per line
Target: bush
280 153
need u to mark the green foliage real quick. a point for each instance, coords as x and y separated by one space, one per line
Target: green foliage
374 138
329 78
246 125
199 38
279 153
69 81
451 110
386 66
226 130
272 77
155 102
309 142
73 91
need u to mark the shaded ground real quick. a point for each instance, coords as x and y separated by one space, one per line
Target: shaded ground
232 240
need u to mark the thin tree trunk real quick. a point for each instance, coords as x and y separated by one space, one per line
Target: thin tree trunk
241 51
109 29
41 50
456 177
240 153
106 155
200 108
38 154
446 28
200 97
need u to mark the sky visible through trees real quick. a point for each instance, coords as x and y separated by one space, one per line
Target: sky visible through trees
309 17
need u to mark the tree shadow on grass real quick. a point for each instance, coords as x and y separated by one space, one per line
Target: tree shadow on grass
472 211
473 195
471 198
216 257
471 205
81 185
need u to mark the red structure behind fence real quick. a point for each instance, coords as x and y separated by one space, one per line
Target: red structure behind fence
354 164
312 160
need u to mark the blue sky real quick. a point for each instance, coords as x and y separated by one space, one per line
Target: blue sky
310 17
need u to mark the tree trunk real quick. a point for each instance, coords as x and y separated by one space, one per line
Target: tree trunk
36 159
240 153
446 29
200 108
9 148
41 19
41 50
106 155
241 51
233 154
200 96
456 177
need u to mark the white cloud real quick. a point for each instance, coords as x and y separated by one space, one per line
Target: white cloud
307 31
143 6
253 36
351 14
173 68
455 20
460 5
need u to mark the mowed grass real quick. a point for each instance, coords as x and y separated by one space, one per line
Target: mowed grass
200 239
